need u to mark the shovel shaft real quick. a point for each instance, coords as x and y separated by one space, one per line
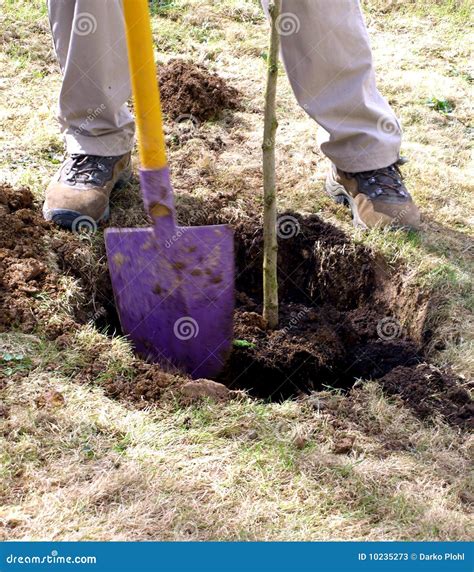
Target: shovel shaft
145 87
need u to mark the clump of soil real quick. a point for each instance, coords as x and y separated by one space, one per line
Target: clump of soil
190 89
145 387
23 271
429 391
33 264
317 263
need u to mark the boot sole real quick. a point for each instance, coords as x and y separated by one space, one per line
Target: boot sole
71 220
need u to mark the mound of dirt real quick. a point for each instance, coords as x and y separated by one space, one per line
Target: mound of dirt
190 89
146 386
429 391
23 273
31 276
317 263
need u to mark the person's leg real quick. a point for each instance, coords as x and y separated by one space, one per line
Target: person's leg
89 38
328 60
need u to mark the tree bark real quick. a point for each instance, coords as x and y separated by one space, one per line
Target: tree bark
270 272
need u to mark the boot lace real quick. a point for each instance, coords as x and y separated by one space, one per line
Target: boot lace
387 181
90 169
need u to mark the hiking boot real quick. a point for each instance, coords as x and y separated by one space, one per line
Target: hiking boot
377 198
80 191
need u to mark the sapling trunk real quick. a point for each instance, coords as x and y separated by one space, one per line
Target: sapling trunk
270 276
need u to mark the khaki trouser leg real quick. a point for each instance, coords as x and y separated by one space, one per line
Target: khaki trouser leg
328 59
89 38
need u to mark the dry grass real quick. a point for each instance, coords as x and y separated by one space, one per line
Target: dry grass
91 468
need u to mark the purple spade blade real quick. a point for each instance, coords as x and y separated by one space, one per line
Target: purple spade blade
175 299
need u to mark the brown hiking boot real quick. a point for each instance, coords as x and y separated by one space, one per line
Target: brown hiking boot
377 198
78 195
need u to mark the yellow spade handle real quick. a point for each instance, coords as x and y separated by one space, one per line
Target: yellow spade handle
144 79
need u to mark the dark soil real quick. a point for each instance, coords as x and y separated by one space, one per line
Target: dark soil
331 329
319 264
33 262
190 89
24 273
429 391
329 333
328 325
145 387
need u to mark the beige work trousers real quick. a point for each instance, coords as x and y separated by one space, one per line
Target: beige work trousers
325 49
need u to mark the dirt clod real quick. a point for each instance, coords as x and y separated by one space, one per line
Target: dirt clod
22 251
189 89
50 399
300 441
146 386
205 388
344 445
430 391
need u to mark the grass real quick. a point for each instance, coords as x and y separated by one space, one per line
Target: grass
76 465
90 468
